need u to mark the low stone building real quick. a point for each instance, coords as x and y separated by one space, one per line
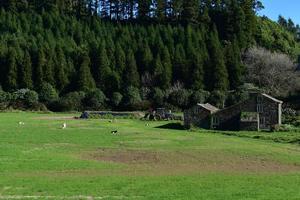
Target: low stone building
259 111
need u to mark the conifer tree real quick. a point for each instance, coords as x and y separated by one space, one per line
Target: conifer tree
26 72
104 71
60 66
167 68
234 64
190 12
131 73
120 59
12 70
85 80
38 70
144 57
180 72
218 76
158 71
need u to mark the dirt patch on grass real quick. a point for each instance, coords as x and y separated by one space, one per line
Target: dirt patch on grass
55 118
180 163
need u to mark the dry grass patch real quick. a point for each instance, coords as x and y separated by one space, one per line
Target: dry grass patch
141 162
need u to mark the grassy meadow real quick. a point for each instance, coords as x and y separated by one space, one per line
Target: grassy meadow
40 160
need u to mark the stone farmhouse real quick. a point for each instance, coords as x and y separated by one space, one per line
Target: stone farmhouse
258 112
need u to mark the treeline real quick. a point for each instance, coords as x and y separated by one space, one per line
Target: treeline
124 48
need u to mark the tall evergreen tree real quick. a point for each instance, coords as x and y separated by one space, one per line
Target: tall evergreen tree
131 75
12 70
61 78
218 75
234 64
85 80
26 72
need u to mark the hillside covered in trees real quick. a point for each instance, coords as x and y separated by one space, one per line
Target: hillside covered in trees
129 53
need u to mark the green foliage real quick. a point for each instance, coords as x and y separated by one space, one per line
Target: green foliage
95 99
199 96
31 97
116 99
132 97
48 93
180 98
68 45
158 97
69 102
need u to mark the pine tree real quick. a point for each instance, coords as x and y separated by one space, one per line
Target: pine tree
131 75
120 58
48 68
26 72
12 70
144 57
104 71
144 9
167 66
218 76
190 12
85 80
180 72
158 71
60 66
197 72
38 70
234 64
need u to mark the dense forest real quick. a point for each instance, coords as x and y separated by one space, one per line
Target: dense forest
131 54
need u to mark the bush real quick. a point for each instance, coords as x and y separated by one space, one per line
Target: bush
284 128
4 99
70 102
95 99
31 97
24 98
180 98
116 99
199 96
132 97
48 93
158 97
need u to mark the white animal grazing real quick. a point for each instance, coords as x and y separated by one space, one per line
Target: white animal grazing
64 126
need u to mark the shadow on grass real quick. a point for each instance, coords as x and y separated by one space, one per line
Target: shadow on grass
174 126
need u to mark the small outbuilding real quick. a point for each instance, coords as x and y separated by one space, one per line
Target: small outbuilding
259 111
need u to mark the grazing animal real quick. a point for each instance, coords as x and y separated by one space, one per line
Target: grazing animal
64 126
114 132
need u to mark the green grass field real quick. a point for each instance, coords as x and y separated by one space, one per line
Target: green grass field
39 160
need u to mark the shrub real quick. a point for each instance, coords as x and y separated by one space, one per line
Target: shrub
48 93
24 98
70 102
132 97
31 97
116 99
180 98
4 99
158 96
199 96
95 99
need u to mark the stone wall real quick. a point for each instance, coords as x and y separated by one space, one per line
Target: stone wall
197 116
